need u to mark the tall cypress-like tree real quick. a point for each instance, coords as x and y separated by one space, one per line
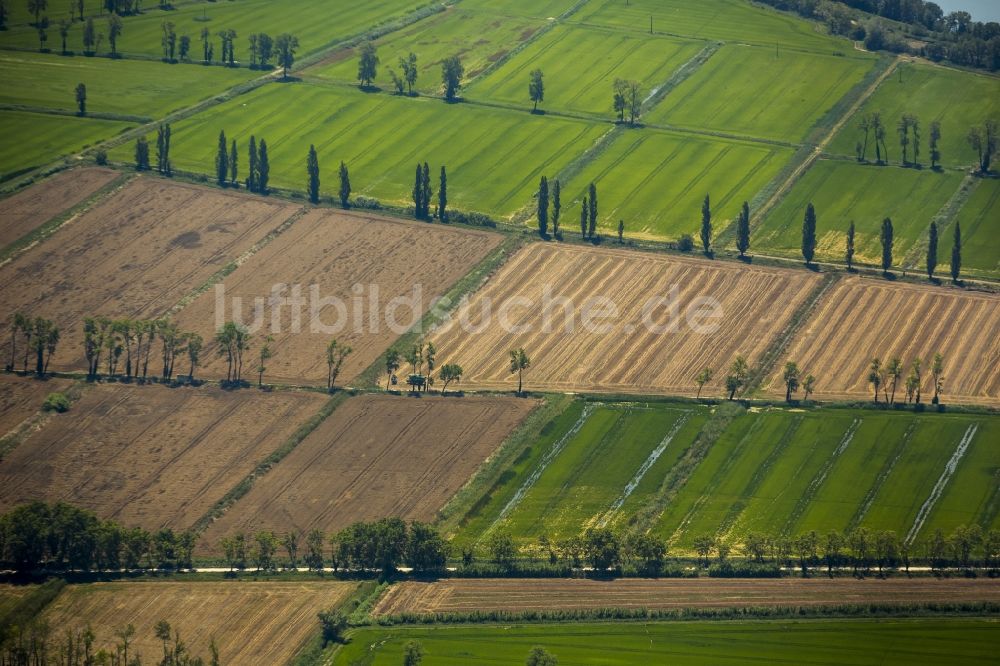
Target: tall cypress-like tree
592 212
956 254
312 170
252 165
809 234
163 150
443 195
345 185
428 193
932 250
886 239
743 230
556 207
221 160
583 218
706 226
543 206
418 193
849 251
234 166
263 168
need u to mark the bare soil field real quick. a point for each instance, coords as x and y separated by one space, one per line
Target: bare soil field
638 351
349 257
136 253
150 455
251 622
376 457
860 319
463 595
22 397
32 207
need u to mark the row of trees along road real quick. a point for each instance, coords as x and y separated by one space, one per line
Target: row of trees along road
982 140
887 376
39 337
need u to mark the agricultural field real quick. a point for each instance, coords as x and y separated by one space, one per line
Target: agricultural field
507 594
929 641
382 137
251 622
52 137
135 253
956 99
20 399
785 97
309 20
657 343
861 319
656 182
154 90
28 209
979 220
375 457
580 65
843 192
151 456
332 252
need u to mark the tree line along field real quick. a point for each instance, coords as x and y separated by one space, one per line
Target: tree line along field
914 641
51 136
684 472
250 622
141 34
150 456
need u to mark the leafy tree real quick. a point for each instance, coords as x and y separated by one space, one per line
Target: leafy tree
312 169
539 656
314 550
141 154
285 46
502 549
206 46
290 541
621 231
114 32
886 239
64 26
442 211
849 252
81 98
392 362
703 545
334 624
266 46
43 36
536 88
592 212
809 234
221 160
263 356
36 7
89 36
706 226
743 230
426 549
984 141
956 254
876 376
163 149
367 64
703 378
450 372
336 353
602 547
263 168
739 370
194 345
618 99
935 138
932 250
232 340
519 362
543 206
345 186
556 208
451 76
409 67
168 40
791 377
893 372
937 373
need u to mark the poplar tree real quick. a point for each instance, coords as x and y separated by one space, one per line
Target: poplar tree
706 226
592 212
849 252
418 194
583 218
743 230
345 185
221 160
263 168
809 234
932 250
886 239
443 195
543 206
234 167
312 169
252 165
956 254
556 208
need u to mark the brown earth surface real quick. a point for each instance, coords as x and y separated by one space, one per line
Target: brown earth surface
22 212
464 595
22 397
376 456
756 304
336 251
251 622
150 455
136 254
860 319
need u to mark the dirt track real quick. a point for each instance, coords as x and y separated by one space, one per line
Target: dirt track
864 318
337 251
463 595
756 304
375 457
149 455
252 623
30 208
136 253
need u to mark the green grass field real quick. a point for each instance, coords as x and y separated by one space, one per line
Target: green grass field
656 181
314 22
816 642
478 37
51 137
130 87
843 191
580 66
382 137
979 220
954 98
780 472
724 20
785 96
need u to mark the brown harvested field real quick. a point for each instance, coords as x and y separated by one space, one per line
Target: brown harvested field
252 622
136 253
11 595
376 456
22 397
860 319
150 455
630 356
336 251
463 595
36 205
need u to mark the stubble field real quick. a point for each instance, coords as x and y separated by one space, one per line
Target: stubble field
20 399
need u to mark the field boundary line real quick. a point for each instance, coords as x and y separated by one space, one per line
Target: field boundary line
938 489
93 115
817 481
944 217
883 474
